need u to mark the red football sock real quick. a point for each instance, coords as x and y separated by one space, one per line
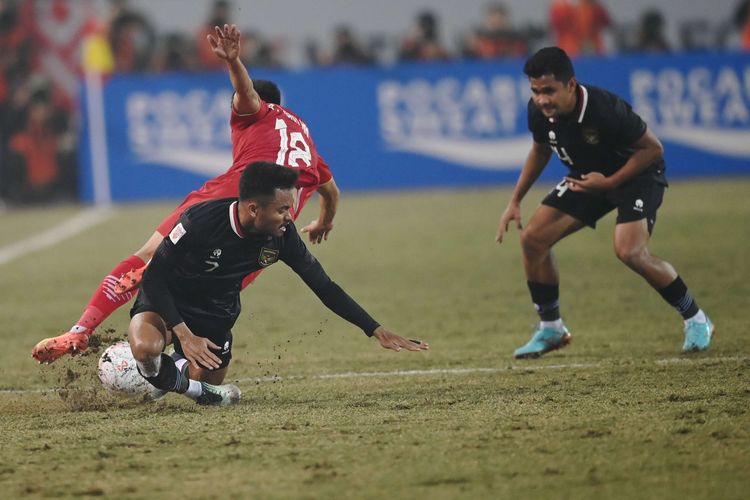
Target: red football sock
105 301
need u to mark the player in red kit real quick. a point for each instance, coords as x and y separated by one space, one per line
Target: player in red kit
262 130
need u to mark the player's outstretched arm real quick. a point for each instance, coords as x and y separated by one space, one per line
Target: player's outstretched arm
390 340
225 43
318 229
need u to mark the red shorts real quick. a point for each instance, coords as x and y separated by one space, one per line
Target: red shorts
224 186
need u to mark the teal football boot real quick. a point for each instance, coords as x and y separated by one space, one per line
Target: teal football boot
697 335
543 341
219 395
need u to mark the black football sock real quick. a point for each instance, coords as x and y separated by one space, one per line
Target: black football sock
678 296
546 300
169 377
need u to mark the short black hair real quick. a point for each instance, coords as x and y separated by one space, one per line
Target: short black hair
261 179
268 91
550 61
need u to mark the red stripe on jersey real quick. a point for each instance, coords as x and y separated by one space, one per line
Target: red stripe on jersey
234 219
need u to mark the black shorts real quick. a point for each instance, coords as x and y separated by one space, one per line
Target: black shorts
199 326
637 199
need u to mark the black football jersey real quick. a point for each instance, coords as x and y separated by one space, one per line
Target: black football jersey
596 137
198 269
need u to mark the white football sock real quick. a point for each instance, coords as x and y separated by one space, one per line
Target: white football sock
195 389
700 317
555 325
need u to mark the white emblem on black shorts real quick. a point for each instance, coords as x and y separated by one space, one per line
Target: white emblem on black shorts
267 256
552 135
638 207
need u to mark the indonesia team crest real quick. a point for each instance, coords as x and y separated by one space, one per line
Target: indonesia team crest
267 256
590 136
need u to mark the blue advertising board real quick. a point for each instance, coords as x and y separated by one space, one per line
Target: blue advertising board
413 126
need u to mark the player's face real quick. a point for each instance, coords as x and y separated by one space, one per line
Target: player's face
273 217
553 98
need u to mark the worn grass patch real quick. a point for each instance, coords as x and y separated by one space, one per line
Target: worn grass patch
618 414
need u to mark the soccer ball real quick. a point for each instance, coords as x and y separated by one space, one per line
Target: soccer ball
119 375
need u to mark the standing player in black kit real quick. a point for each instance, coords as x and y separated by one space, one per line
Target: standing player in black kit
190 294
615 162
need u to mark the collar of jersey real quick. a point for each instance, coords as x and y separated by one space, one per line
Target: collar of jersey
234 219
581 104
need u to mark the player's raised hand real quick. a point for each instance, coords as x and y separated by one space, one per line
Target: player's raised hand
225 42
317 231
512 212
390 340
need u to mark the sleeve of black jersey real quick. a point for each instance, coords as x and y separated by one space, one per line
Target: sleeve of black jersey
295 255
628 127
154 284
534 121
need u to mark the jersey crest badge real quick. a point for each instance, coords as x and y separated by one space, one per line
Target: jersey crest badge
590 136
267 256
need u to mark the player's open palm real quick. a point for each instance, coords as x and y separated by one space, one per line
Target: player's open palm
390 340
197 351
512 213
225 42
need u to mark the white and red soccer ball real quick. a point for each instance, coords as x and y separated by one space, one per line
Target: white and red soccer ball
119 374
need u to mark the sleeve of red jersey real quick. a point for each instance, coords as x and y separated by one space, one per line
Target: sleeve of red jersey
237 120
324 171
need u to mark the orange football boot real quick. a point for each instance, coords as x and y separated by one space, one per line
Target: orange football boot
129 281
53 348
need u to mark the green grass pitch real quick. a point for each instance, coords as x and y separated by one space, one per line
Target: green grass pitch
327 413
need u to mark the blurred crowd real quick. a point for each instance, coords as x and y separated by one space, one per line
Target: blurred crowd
38 150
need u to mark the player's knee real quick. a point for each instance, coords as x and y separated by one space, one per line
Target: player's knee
632 256
144 348
532 243
145 342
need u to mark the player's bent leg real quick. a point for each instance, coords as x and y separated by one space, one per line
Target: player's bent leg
547 226
147 336
103 302
631 247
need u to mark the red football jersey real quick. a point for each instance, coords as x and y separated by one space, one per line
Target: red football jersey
277 135
272 134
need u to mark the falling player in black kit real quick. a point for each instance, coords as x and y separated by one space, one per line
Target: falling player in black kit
615 162
190 294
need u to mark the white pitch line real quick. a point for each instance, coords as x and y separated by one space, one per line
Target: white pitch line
57 234
413 373
440 371
461 371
